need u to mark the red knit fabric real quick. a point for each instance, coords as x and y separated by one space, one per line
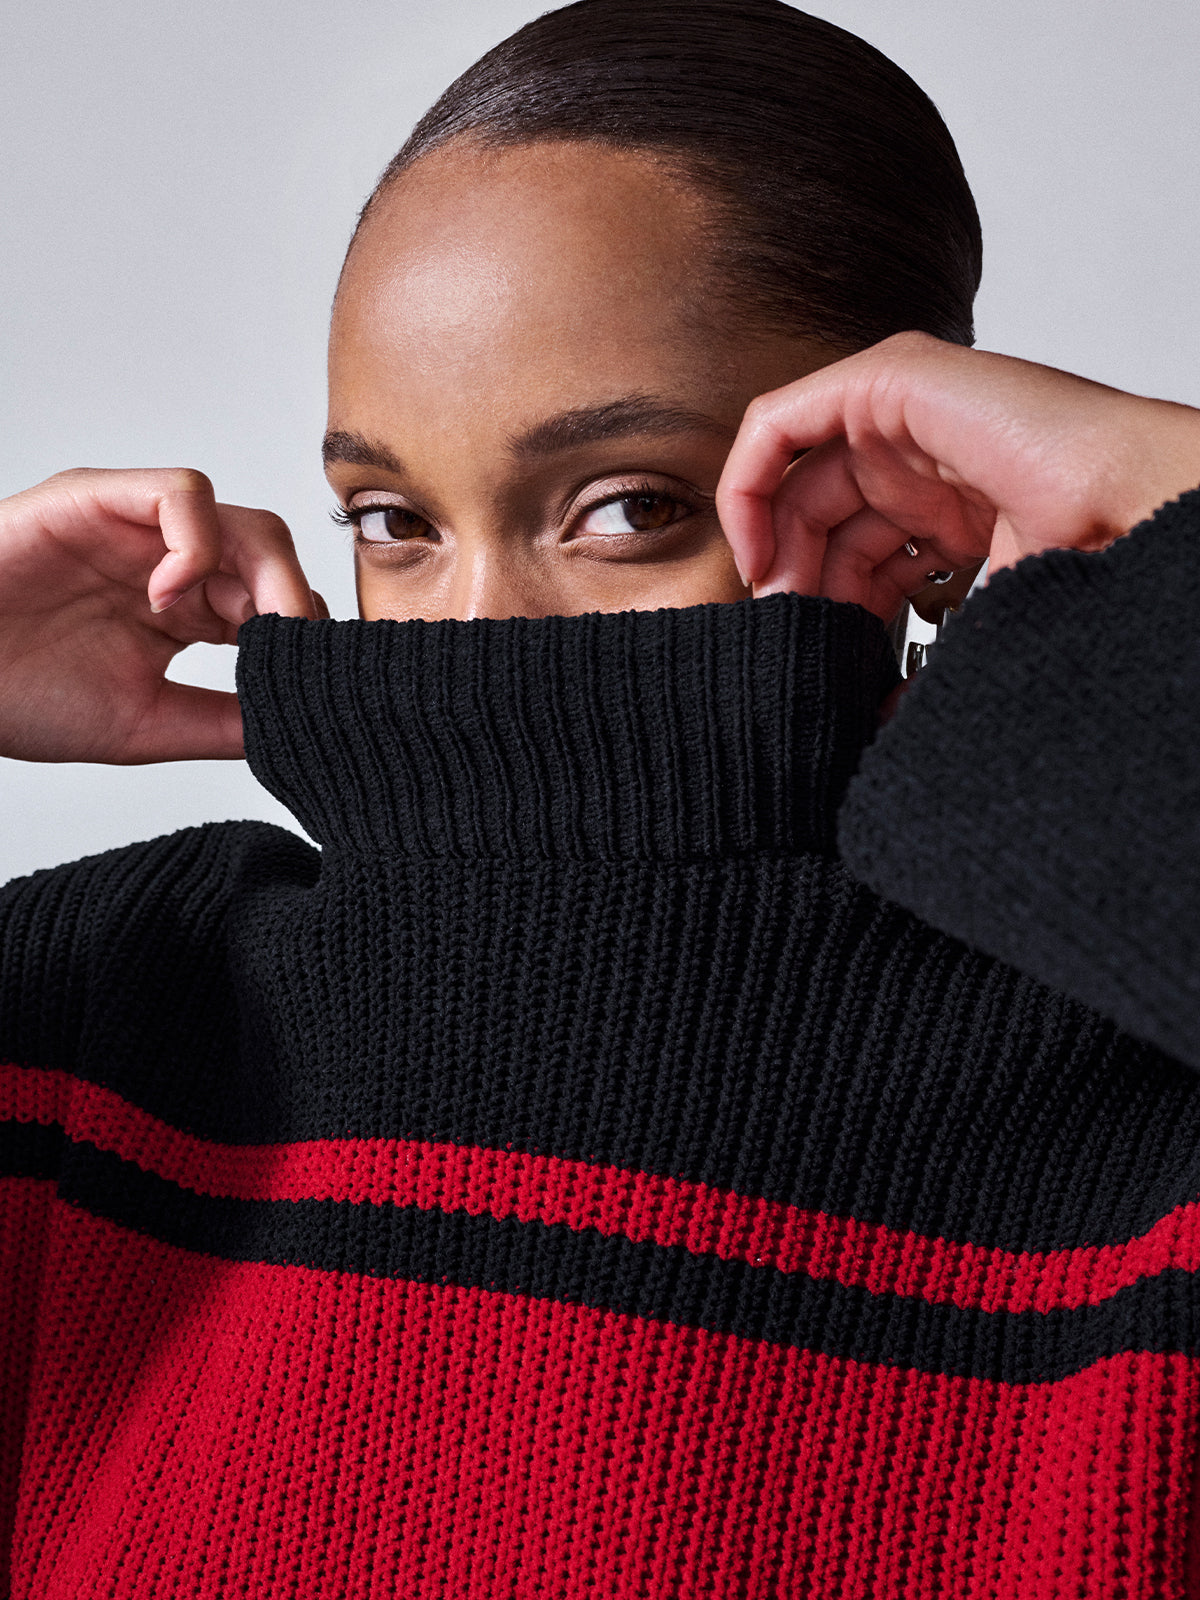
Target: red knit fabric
209 1428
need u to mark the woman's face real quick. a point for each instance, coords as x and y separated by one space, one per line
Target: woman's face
532 391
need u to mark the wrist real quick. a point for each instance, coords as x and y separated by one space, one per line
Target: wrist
1165 445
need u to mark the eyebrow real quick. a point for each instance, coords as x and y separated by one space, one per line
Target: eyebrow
614 419
338 445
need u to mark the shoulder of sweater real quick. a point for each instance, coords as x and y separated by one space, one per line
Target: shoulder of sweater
62 928
1038 792
221 852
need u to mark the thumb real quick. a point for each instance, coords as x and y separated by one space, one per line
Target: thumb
189 724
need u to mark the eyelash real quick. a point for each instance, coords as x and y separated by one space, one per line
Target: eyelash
352 517
638 491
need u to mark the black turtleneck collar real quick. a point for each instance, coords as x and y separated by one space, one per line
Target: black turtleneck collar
719 730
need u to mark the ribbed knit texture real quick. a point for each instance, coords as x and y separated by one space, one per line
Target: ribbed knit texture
661 736
571 1181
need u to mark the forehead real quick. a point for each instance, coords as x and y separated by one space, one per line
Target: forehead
528 268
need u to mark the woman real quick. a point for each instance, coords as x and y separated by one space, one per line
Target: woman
627 1159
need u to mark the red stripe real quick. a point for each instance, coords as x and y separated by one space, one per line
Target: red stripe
202 1428
612 1200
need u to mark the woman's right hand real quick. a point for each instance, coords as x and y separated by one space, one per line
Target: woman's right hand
915 455
104 577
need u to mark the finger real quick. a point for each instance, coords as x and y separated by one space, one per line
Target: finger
230 599
906 402
904 576
188 724
800 416
751 476
817 493
864 549
838 484
114 522
261 553
908 564
897 578
187 516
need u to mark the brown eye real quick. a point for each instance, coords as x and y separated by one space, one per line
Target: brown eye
390 524
633 513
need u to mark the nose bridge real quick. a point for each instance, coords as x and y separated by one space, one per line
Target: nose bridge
492 580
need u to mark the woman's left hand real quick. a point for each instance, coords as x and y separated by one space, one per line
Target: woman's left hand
958 453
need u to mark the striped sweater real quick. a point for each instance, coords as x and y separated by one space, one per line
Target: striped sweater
635 1156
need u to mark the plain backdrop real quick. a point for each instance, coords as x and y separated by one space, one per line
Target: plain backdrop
180 180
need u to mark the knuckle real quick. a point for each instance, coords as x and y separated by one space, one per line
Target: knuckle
269 525
187 480
760 410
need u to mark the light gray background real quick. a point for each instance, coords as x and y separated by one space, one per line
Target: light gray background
179 181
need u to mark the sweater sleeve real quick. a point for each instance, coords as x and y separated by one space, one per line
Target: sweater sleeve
1038 792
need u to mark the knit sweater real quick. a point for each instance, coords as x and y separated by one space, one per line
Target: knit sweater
593 1174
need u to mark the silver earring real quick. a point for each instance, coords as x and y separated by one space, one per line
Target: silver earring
915 658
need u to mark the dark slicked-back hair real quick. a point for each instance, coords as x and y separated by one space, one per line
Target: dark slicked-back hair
837 202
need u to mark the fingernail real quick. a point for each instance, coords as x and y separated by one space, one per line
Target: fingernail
741 574
165 602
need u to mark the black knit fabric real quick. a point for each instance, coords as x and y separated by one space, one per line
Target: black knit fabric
1038 793
669 735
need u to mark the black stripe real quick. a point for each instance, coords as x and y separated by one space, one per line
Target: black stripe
31 1149
666 1283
